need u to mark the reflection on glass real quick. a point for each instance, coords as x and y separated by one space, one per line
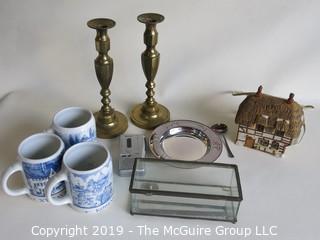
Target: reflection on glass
207 191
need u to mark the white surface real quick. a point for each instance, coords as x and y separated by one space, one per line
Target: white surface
208 48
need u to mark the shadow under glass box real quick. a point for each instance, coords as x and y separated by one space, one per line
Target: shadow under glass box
195 190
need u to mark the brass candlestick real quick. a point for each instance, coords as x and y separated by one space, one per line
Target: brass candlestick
150 114
110 123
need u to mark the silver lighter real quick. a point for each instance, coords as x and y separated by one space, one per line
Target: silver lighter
131 147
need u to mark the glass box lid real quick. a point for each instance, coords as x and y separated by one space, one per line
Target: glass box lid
200 180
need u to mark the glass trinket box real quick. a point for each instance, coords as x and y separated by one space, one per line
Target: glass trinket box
185 189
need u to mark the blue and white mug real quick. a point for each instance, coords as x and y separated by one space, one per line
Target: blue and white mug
39 158
87 173
74 125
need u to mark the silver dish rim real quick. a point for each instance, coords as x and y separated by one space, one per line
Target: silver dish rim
190 129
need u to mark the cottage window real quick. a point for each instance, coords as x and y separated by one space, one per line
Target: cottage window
286 125
279 123
269 130
262 120
282 125
279 133
263 142
259 128
275 145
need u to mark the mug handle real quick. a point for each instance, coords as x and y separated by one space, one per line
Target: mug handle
66 199
16 167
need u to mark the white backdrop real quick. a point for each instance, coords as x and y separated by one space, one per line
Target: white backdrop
208 48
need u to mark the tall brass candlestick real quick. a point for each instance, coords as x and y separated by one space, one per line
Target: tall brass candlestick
110 123
150 114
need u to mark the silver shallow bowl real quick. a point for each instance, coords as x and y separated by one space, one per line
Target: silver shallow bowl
186 129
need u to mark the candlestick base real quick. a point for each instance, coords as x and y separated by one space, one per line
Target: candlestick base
110 126
149 120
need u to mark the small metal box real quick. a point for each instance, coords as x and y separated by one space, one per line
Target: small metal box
185 189
131 147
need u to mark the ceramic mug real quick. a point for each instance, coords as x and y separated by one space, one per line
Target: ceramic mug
74 125
87 172
39 158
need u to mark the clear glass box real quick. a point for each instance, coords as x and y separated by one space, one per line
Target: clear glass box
186 189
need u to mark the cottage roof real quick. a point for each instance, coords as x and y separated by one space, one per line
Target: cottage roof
257 104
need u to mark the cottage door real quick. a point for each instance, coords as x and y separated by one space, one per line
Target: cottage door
249 142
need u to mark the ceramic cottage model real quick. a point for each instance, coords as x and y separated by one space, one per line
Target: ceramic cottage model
269 123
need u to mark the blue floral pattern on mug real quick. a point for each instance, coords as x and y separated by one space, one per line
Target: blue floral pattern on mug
82 137
92 190
37 176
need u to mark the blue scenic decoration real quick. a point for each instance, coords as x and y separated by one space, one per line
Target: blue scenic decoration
82 137
91 191
37 176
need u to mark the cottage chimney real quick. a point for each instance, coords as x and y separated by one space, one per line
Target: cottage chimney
290 99
259 92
